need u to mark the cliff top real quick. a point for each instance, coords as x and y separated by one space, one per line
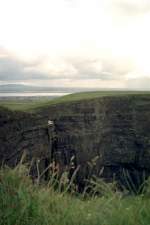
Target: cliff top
25 105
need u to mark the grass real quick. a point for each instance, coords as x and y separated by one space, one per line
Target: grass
25 203
25 105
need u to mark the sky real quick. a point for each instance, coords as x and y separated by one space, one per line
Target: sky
75 43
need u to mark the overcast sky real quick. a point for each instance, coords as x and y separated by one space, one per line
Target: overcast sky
75 43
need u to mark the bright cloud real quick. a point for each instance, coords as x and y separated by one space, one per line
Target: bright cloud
97 43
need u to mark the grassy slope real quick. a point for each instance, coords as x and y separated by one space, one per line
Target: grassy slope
23 105
22 203
32 105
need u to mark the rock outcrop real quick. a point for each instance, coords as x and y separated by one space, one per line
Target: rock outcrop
24 133
105 136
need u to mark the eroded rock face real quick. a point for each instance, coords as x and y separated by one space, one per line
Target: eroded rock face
105 135
114 130
23 133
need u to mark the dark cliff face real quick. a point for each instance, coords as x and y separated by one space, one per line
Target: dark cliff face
23 133
112 133
104 135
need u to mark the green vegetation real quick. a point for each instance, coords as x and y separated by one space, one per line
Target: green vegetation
25 203
23 105
27 105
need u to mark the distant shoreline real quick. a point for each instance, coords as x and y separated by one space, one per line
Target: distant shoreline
31 94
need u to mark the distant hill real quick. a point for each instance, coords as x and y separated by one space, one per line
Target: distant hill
16 88
10 88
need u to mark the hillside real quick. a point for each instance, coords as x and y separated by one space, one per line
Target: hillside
27 105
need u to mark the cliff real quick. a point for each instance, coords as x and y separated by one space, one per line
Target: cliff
105 136
24 133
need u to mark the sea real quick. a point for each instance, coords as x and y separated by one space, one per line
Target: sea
32 94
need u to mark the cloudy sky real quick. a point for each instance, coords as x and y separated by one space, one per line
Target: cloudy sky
75 43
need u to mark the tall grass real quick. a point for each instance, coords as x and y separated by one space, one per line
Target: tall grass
23 202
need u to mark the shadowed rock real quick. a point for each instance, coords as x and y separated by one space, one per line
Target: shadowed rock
105 135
